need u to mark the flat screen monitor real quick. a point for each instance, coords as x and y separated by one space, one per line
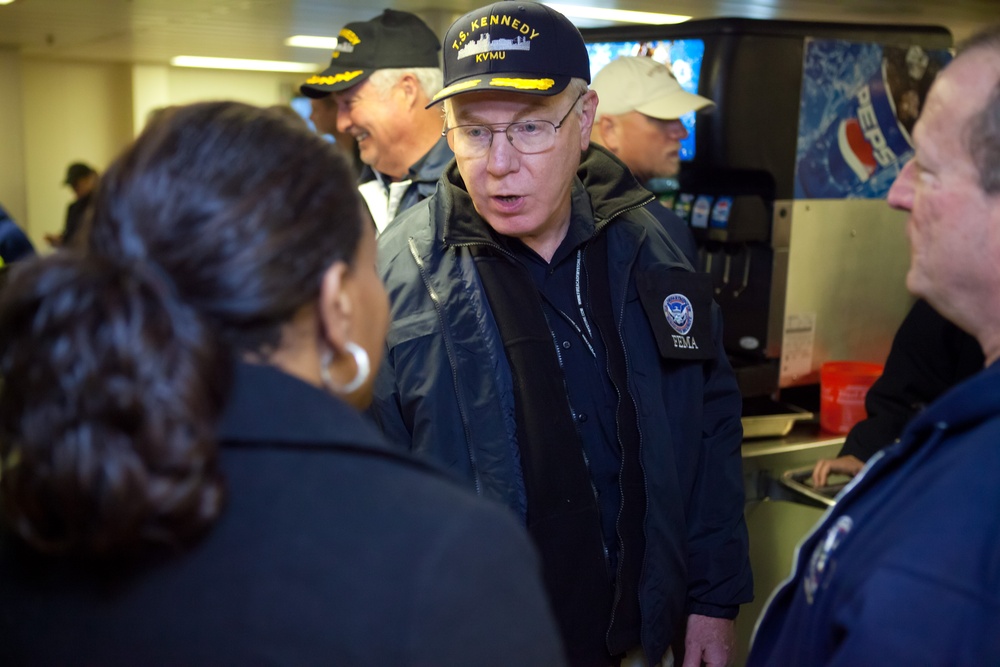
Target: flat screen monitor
684 57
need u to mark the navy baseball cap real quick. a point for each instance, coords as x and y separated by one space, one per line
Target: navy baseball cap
390 40
519 47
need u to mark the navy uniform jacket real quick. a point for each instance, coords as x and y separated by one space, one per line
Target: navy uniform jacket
444 390
333 550
905 568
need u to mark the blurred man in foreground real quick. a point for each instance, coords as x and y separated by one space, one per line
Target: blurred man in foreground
904 569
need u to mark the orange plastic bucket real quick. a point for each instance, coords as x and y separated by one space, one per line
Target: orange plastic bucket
843 387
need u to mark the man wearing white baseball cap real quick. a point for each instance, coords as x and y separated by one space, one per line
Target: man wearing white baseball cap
638 118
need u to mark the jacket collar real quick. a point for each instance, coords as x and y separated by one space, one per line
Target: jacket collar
612 187
425 170
601 177
267 405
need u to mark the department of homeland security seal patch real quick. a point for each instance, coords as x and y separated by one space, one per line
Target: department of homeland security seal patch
679 313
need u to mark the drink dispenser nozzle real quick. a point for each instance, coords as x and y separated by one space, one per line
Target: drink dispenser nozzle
725 273
746 278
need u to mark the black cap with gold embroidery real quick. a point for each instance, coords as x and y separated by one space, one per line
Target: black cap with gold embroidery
519 47
392 39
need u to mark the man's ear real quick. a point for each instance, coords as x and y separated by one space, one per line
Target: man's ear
336 307
587 117
409 87
606 129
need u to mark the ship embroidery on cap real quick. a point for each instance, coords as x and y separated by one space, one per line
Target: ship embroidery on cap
522 43
350 40
486 48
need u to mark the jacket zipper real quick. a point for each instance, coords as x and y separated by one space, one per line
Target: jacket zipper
638 428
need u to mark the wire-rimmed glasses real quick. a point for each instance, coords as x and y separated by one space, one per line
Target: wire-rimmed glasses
527 136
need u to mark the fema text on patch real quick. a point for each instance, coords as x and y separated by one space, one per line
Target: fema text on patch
684 342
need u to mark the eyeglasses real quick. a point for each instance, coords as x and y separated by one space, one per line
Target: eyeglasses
527 136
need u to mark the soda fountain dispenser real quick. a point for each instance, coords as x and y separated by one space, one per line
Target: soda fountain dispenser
783 183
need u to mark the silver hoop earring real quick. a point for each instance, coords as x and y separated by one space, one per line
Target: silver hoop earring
361 360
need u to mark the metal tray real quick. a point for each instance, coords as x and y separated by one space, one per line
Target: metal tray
799 480
775 425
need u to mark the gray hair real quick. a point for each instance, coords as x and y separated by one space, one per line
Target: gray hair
982 137
431 79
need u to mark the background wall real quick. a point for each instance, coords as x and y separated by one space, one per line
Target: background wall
72 113
13 196
56 112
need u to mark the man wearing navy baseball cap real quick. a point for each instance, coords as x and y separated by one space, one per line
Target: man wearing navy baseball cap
551 348
381 77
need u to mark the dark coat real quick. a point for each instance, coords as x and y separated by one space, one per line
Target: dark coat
929 355
74 218
333 550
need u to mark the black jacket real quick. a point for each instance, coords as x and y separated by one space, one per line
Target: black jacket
929 355
333 550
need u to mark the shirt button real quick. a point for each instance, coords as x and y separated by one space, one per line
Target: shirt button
566 344
583 417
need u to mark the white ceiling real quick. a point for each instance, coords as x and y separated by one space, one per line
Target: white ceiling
152 31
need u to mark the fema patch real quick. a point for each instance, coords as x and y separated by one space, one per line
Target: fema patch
680 314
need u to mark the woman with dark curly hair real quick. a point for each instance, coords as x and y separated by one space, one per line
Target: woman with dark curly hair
186 478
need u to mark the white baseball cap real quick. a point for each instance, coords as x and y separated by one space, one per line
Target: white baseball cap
633 83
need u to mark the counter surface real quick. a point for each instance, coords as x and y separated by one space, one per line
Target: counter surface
805 435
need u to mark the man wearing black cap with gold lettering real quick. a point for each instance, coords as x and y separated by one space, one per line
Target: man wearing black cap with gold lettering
551 348
381 77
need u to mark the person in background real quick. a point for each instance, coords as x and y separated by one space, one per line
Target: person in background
638 120
323 116
82 178
550 347
14 243
381 77
903 570
929 355
186 478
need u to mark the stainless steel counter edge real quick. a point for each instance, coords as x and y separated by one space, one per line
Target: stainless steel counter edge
802 437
